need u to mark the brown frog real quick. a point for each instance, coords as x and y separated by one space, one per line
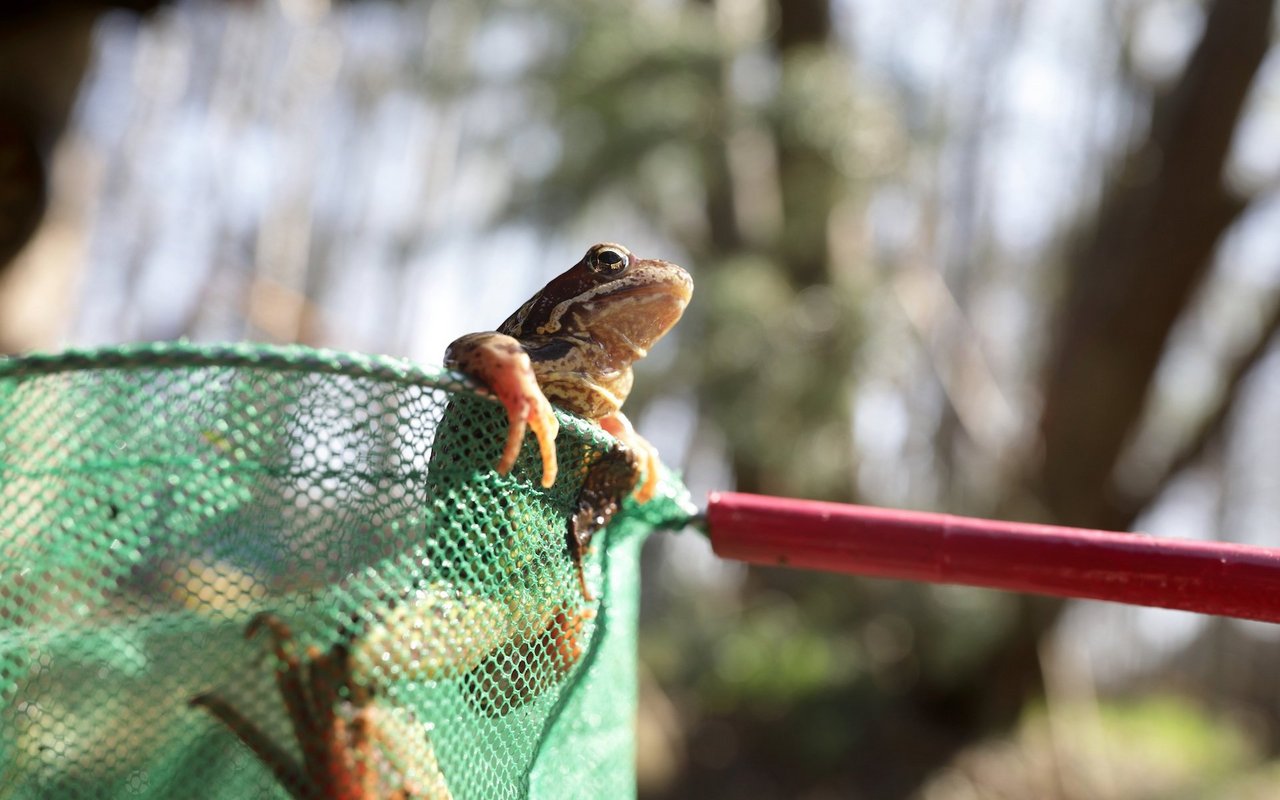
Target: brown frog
572 344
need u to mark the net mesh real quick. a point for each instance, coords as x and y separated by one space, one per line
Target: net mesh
257 571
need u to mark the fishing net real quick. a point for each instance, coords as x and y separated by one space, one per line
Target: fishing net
248 571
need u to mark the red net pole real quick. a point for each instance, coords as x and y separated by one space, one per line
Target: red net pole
1232 580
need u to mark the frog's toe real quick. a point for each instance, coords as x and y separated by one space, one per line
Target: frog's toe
580 565
646 490
568 629
525 413
516 427
500 363
545 426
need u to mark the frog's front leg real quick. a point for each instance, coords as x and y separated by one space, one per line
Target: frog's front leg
500 363
646 455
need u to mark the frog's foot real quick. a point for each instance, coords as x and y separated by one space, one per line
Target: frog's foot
292 775
501 364
567 629
525 666
610 478
580 564
646 454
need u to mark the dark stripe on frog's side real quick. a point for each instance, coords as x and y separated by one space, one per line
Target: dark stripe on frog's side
537 311
550 349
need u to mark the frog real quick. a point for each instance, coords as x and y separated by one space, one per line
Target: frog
572 345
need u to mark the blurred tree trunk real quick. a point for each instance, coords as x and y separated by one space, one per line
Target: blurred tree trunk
1129 279
44 51
805 453
1133 275
42 57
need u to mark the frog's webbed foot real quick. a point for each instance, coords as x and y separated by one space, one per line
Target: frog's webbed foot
646 455
501 364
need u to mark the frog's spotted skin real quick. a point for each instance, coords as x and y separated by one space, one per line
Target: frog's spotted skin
573 344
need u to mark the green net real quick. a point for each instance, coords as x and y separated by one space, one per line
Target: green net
251 571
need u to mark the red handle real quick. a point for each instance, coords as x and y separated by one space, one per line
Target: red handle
1232 580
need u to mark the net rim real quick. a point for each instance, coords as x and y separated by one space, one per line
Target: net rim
103 370
182 354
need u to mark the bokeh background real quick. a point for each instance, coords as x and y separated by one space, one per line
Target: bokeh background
989 257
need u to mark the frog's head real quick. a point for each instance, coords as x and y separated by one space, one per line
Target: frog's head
611 298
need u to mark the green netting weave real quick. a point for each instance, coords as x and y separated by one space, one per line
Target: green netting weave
416 624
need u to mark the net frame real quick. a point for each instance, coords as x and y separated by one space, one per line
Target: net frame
258 458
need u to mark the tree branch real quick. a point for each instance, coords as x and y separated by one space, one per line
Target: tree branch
1130 281
1214 421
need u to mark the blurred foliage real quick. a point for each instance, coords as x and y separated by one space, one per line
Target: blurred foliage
1158 747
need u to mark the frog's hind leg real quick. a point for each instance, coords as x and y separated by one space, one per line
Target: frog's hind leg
277 759
606 485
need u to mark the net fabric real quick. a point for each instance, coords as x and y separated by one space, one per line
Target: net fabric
254 571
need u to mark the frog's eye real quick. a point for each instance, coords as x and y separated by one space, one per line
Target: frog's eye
608 260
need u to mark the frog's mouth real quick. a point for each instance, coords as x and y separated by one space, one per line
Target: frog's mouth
635 317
